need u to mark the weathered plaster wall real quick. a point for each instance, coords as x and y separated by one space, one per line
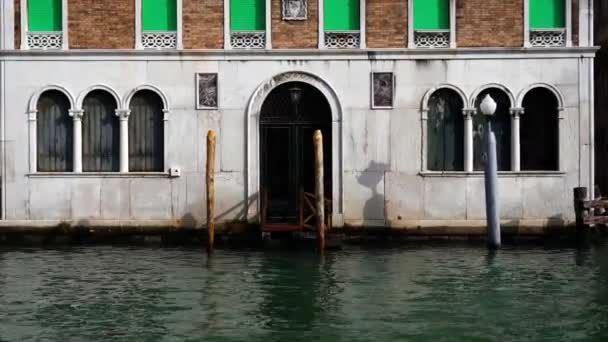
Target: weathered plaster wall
381 149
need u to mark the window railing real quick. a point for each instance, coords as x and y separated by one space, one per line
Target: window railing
547 37
342 39
45 40
159 39
248 39
432 38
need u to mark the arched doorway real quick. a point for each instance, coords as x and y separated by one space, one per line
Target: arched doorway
288 118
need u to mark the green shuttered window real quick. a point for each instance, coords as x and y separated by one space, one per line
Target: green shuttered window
247 15
44 15
159 15
431 14
342 15
547 14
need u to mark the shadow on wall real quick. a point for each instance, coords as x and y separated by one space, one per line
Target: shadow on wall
236 213
371 178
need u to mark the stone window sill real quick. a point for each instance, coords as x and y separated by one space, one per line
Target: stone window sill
502 174
99 175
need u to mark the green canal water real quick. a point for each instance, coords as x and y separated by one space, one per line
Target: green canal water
409 293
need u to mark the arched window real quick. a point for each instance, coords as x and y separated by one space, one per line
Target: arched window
539 131
501 125
445 131
54 133
146 134
100 131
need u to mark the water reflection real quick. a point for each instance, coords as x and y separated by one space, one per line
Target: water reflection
410 293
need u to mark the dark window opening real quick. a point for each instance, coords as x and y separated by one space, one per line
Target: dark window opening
54 128
539 131
100 132
501 125
445 127
146 132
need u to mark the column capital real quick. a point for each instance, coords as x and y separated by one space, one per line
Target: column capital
123 114
76 113
468 112
516 111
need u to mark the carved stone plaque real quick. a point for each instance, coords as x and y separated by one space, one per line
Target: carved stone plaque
295 9
207 91
383 89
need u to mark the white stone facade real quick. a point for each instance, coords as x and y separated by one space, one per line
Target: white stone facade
379 178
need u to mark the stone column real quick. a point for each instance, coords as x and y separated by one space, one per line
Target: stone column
515 141
77 117
468 139
123 116
33 132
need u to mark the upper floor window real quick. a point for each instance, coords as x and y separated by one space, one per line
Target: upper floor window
159 24
432 23
342 24
549 23
248 24
44 26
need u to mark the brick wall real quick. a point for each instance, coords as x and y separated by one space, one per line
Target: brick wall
386 23
295 34
489 23
203 24
107 24
17 24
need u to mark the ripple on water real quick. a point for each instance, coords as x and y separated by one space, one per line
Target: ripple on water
426 293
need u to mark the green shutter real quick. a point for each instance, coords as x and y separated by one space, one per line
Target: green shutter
547 14
432 14
44 15
247 15
159 15
342 15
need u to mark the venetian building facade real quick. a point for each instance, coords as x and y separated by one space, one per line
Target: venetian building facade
601 94
105 106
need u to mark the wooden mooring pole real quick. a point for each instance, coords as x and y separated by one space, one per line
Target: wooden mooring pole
319 190
580 195
210 182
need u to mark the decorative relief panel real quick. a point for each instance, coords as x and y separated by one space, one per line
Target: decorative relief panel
44 40
432 39
547 38
295 9
206 90
159 40
248 40
383 89
343 40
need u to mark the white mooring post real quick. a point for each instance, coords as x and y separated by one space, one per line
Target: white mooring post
488 108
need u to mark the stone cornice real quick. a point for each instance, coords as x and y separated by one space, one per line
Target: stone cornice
302 54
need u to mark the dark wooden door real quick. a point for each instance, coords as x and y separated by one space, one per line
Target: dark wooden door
287 151
288 167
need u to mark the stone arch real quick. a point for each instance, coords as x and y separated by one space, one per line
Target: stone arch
558 94
158 91
429 93
477 91
103 87
33 103
253 138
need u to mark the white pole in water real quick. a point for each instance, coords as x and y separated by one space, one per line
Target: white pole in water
488 108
